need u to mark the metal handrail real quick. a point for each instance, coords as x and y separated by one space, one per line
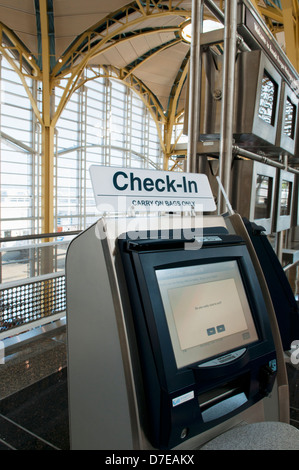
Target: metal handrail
37 236
24 310
289 266
30 280
32 246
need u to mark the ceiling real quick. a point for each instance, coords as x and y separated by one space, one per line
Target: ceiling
139 40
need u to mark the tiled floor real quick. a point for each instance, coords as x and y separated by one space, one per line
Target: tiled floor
33 397
34 402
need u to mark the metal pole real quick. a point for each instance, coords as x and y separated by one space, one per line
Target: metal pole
226 135
194 85
215 10
260 158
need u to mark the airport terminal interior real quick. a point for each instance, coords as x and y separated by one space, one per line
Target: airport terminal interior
178 121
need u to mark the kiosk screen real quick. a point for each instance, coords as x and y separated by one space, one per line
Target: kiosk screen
289 119
268 99
207 310
285 197
263 200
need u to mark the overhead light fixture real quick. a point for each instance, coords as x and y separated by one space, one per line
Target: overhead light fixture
211 25
208 25
186 30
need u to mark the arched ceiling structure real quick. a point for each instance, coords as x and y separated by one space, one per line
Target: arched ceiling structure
139 42
141 38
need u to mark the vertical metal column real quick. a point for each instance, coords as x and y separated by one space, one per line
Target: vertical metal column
0 159
226 134
194 84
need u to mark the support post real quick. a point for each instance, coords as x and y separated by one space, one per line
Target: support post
47 179
227 110
194 85
47 143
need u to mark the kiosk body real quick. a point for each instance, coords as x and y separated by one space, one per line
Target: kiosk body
131 384
204 336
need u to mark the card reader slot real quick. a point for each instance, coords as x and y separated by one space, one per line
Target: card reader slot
211 399
221 401
178 243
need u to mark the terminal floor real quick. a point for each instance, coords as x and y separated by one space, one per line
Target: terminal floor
34 399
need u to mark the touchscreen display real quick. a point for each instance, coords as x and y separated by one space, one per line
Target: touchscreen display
207 310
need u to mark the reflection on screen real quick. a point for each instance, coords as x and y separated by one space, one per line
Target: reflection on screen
207 310
268 99
289 119
263 195
285 197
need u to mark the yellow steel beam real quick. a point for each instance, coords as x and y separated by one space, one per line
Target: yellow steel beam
45 61
296 16
149 99
20 60
119 39
290 26
102 36
255 4
74 76
141 8
47 179
288 17
92 40
272 13
23 80
47 128
172 115
18 50
126 71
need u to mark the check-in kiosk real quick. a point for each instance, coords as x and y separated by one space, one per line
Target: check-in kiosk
172 335
205 342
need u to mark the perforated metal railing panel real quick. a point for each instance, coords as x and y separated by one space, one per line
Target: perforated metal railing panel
26 303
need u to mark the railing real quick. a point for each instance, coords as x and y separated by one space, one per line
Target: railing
32 291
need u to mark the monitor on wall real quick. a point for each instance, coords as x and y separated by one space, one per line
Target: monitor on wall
288 118
258 98
253 191
257 91
284 200
295 215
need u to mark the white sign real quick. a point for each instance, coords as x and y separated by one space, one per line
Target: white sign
120 189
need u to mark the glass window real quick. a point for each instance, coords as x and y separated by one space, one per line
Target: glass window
20 167
263 197
285 197
104 122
